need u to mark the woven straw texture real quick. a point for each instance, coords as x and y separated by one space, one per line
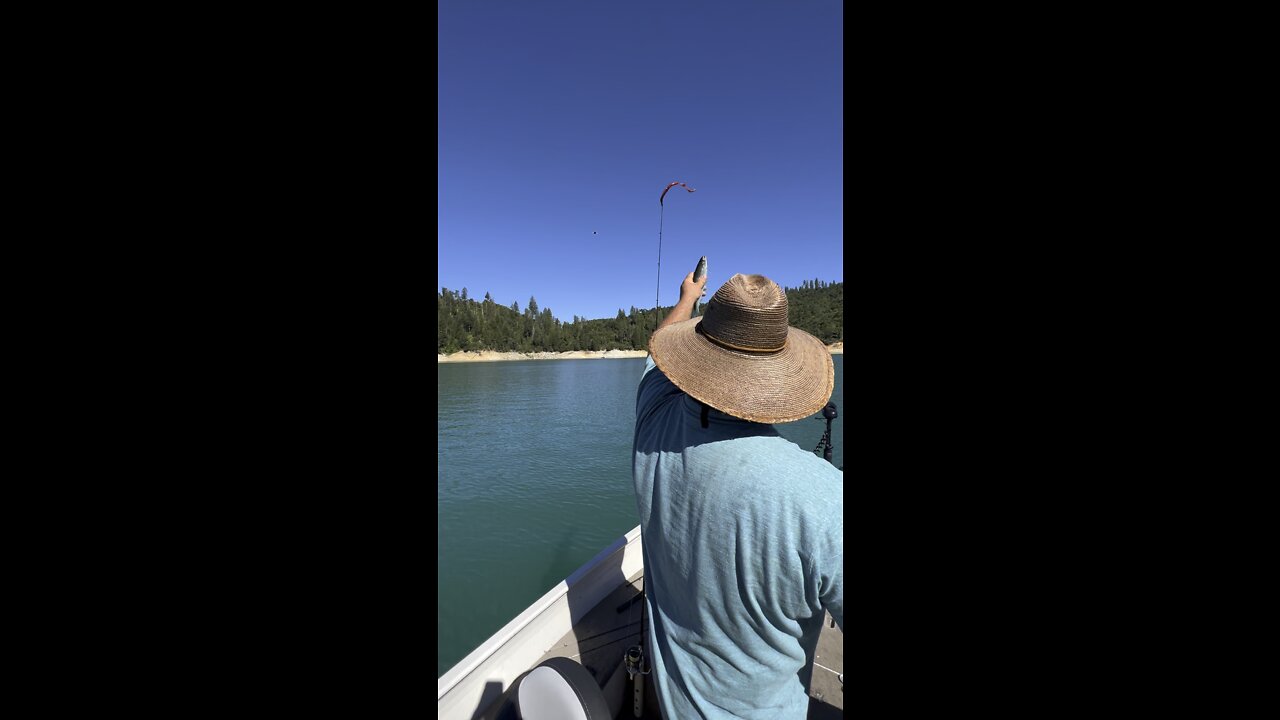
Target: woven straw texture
742 358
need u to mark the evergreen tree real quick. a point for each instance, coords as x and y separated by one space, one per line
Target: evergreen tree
463 324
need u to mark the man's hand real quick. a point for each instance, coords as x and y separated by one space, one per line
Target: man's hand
690 291
693 288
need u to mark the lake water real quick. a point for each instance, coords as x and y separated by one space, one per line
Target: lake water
534 478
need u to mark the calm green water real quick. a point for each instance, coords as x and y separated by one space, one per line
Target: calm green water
534 479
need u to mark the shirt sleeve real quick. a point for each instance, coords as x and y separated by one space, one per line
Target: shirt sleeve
831 568
833 594
654 389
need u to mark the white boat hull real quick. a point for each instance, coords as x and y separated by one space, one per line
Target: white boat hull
482 676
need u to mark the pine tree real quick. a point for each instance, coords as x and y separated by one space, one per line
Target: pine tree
463 323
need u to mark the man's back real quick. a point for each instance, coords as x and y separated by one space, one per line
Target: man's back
743 544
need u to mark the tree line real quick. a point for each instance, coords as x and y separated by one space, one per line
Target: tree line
464 323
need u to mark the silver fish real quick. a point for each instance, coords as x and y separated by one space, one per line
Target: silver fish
699 272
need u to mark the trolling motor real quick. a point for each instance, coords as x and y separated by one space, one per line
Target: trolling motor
824 445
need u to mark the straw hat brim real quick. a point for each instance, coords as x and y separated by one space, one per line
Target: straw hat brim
789 385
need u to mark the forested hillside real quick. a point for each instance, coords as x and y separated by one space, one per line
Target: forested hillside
466 324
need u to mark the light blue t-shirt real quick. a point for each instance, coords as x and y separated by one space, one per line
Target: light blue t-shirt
743 549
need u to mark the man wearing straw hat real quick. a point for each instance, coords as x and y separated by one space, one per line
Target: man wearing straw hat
743 530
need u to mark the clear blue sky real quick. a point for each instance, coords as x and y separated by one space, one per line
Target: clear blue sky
561 121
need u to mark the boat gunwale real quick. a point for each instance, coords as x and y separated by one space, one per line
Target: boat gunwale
487 650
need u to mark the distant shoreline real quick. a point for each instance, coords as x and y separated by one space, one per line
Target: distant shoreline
491 356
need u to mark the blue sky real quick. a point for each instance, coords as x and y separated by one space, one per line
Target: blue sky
560 122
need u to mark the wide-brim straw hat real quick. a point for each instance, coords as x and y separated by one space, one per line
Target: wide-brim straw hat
743 359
